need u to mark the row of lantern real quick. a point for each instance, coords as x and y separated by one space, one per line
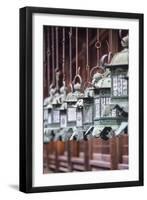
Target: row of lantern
100 111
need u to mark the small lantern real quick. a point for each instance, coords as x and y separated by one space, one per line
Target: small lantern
74 109
87 112
71 109
48 107
45 115
47 120
54 116
64 133
63 107
56 103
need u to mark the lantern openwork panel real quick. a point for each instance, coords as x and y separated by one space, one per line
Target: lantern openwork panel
119 88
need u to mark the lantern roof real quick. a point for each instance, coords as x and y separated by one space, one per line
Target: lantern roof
104 83
49 106
47 103
56 98
121 58
73 96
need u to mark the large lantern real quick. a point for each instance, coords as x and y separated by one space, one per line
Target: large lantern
119 85
105 118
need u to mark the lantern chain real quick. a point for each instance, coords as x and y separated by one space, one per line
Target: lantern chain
57 60
70 54
63 53
48 57
76 50
53 59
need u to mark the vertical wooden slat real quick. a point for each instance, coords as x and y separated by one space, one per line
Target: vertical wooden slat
113 153
56 156
69 154
86 155
119 148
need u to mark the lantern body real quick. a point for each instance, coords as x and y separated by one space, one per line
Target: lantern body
71 114
45 117
104 117
56 116
49 118
88 112
79 117
63 118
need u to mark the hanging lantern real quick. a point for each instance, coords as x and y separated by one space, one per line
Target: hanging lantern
73 115
87 108
103 125
56 102
105 117
74 110
119 78
48 108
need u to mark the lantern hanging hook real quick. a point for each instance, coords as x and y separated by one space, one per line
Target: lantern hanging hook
77 76
106 58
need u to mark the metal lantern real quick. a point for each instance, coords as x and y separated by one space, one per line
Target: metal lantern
48 135
87 99
88 111
45 118
64 134
74 111
105 117
119 85
56 110
85 110
53 117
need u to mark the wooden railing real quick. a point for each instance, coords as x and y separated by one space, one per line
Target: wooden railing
91 155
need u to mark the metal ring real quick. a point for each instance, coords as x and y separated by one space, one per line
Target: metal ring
98 44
